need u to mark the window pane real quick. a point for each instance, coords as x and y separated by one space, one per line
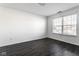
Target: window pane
57 21
57 25
69 30
57 29
74 19
69 20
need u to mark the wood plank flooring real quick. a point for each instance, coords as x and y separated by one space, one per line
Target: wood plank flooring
41 47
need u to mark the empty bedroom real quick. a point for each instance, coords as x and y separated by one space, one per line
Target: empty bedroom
39 29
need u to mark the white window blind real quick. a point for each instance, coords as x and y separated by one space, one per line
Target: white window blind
65 25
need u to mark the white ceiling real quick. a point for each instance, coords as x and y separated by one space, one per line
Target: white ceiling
35 8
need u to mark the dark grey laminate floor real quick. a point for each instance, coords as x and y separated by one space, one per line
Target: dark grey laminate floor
41 47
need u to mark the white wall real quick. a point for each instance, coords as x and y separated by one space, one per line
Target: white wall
19 26
65 38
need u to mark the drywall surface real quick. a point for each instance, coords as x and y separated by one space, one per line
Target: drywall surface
18 26
65 38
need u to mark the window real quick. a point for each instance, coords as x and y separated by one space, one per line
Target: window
65 25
